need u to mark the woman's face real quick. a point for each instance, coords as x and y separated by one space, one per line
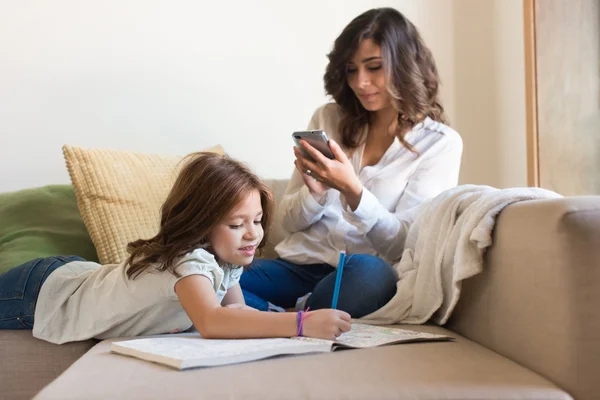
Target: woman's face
366 77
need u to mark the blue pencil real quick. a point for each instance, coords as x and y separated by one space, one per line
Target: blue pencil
338 279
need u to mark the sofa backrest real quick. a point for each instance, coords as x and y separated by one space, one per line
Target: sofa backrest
276 234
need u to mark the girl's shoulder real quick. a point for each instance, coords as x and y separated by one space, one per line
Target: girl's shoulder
198 256
197 262
232 271
202 260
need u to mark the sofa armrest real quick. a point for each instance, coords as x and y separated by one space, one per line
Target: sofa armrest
537 301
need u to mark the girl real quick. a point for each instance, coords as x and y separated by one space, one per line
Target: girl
211 225
392 152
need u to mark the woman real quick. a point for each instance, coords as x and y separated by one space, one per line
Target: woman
394 152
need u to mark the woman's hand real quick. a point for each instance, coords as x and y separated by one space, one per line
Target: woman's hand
337 174
325 324
315 187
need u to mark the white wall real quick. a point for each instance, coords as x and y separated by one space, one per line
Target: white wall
172 77
490 91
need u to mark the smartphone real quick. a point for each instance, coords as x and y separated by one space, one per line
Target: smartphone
317 139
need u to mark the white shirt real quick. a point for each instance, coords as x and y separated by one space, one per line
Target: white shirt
83 300
400 181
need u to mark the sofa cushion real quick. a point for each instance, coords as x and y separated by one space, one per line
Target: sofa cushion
276 233
444 370
28 364
119 195
41 222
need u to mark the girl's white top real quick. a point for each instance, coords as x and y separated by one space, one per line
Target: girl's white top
320 229
82 300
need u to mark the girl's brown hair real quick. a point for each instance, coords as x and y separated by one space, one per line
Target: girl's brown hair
411 75
208 187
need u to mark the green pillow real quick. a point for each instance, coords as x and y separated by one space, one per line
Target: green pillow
41 222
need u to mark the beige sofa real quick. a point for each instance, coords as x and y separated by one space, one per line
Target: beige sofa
528 327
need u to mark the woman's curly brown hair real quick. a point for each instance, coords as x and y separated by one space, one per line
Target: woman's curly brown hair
410 71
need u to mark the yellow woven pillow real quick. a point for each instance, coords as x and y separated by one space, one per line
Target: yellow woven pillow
119 195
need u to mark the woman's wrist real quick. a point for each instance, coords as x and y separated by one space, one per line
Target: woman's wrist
353 195
320 197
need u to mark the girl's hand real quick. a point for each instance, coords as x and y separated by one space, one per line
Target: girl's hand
337 174
325 324
240 306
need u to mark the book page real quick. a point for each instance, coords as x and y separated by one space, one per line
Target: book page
198 348
184 352
365 336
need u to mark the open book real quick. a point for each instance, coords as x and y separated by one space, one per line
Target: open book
183 351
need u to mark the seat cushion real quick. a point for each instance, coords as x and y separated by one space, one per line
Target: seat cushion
41 222
445 370
28 364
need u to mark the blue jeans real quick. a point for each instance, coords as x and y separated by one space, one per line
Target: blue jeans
368 283
20 287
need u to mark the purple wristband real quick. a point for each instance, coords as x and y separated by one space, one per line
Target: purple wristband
299 322
300 317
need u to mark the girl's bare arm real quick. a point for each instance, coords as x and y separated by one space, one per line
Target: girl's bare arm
234 296
199 301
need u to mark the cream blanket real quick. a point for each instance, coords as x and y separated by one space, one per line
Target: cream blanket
444 245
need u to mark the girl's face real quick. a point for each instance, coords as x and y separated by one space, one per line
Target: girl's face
235 239
366 77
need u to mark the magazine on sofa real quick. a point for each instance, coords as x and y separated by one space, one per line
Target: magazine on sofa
190 350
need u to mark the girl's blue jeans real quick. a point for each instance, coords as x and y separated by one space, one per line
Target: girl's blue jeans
20 287
368 283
